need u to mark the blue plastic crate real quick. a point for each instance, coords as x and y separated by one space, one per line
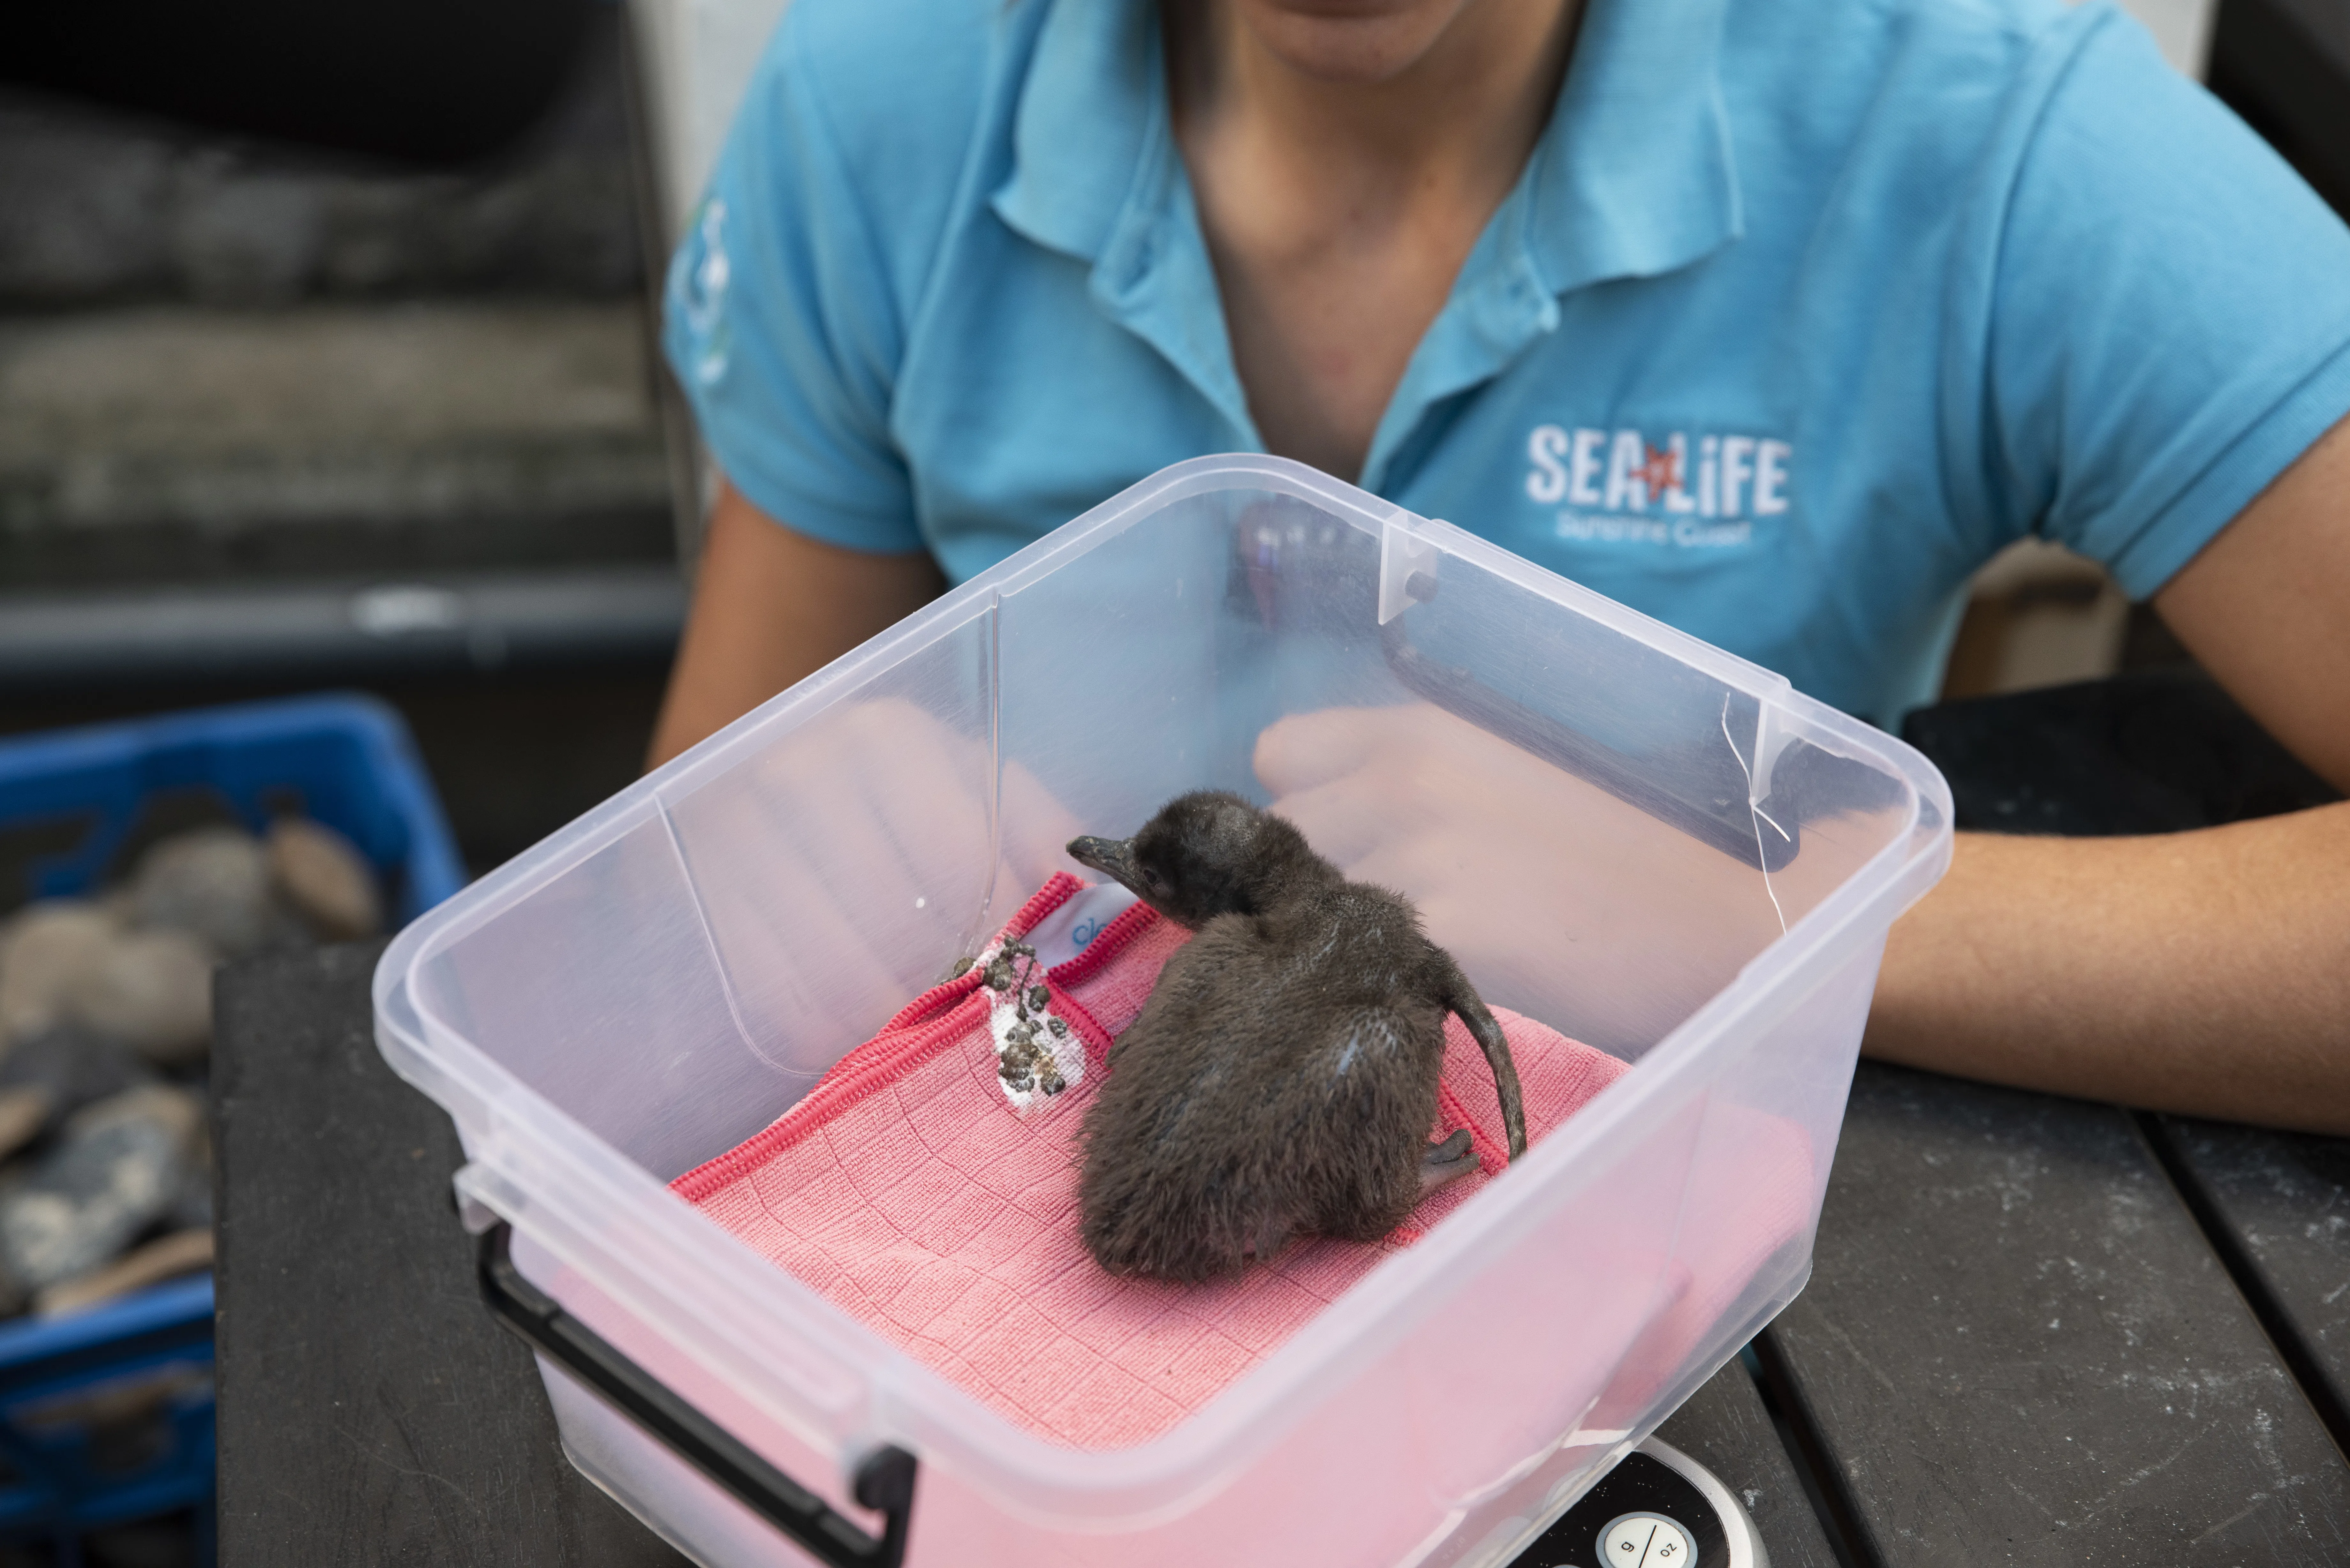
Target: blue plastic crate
348 759
106 1416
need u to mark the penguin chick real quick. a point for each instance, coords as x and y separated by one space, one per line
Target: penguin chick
1283 1076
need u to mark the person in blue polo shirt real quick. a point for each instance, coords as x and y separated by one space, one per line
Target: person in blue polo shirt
1774 321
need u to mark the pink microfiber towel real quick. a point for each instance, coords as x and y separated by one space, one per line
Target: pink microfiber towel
928 1185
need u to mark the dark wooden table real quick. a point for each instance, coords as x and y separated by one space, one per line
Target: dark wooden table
2038 1331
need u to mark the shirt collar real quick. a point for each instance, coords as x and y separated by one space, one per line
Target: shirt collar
1633 177
1097 175
1093 87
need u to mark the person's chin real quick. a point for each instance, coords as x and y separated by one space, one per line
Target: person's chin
1360 42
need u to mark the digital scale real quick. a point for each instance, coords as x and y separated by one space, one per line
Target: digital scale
1657 1509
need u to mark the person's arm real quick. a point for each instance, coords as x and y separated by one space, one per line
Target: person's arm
2205 971
770 606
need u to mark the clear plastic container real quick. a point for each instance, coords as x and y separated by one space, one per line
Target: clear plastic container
1636 838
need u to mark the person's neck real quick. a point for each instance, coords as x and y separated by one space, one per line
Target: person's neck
1456 123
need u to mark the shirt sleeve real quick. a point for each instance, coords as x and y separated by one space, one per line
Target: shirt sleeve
2172 328
780 323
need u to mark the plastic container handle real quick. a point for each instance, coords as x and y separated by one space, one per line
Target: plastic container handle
884 1481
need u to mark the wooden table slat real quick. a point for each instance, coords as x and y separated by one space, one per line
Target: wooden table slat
370 1411
2017 1347
2280 1203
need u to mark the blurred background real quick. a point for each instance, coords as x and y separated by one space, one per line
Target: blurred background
327 363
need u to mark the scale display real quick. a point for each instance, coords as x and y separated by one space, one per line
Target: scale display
1657 1509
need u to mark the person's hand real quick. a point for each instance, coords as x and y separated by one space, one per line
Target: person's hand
1559 899
843 866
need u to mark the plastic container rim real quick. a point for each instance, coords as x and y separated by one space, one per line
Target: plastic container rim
724 1307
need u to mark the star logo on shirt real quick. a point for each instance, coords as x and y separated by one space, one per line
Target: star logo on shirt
1661 472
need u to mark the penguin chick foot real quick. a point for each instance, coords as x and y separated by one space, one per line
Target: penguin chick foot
1446 1160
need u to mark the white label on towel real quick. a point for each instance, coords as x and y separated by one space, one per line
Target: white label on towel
1071 928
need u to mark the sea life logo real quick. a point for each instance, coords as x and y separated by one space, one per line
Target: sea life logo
1613 486
703 274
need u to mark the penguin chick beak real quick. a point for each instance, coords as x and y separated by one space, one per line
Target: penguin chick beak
1113 857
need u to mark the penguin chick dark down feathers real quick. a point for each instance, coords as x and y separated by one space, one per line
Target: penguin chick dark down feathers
1282 1079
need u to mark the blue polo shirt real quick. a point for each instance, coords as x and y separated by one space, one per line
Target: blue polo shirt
1800 310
